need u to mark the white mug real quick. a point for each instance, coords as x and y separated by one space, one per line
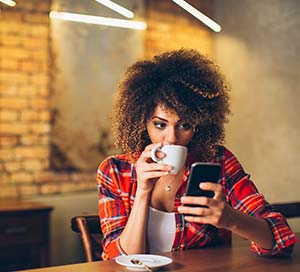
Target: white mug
175 155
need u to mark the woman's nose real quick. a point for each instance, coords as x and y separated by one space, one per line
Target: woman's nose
171 136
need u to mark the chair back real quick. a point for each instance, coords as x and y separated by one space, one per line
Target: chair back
88 226
288 210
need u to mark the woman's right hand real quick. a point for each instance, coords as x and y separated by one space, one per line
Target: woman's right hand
148 171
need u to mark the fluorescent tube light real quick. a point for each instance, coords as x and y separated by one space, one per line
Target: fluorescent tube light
199 15
117 8
9 2
97 20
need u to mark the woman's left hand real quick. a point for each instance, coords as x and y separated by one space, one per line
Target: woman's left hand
217 211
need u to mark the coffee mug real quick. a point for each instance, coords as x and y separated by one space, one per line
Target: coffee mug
175 155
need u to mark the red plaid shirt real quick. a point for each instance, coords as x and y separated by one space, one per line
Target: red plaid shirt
116 180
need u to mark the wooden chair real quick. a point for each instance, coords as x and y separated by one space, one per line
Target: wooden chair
88 225
289 209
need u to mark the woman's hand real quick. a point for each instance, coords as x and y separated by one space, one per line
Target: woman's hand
217 211
148 171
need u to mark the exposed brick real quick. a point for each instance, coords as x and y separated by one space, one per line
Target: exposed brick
8 191
7 154
45 177
26 5
50 188
39 55
8 89
4 176
13 166
62 177
10 27
36 18
9 64
22 177
86 186
29 66
34 5
36 43
77 187
41 80
14 128
38 31
12 15
34 139
24 95
40 128
9 141
31 152
32 165
50 177
9 115
39 103
45 164
44 140
29 115
68 187
16 53
44 116
13 103
28 190
84 176
28 91
45 92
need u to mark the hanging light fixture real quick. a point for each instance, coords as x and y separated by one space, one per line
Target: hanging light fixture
199 15
8 2
98 20
117 8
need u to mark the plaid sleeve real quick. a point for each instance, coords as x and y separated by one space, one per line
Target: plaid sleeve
284 238
242 194
112 212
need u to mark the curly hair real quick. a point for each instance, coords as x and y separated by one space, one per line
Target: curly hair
183 81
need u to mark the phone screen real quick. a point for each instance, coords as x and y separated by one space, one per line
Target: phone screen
202 172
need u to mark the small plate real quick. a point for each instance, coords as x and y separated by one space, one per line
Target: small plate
153 261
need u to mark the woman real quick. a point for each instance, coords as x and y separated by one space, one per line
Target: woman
179 98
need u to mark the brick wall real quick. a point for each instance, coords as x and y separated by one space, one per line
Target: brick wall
25 90
24 119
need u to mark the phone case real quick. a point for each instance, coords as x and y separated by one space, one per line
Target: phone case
202 172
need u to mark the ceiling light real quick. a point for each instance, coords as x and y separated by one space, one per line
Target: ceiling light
199 15
98 20
9 2
117 8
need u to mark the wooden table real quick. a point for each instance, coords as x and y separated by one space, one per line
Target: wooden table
235 258
24 234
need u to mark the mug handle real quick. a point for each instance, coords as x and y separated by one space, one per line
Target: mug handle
153 154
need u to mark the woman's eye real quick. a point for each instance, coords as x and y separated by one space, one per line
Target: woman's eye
160 125
185 126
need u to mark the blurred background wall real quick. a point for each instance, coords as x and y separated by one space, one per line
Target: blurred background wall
258 52
49 70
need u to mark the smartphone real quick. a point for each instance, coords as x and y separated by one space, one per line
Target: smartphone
202 172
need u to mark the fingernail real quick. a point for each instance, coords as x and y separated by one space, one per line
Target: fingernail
202 185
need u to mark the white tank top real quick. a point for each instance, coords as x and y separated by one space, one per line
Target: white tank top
161 229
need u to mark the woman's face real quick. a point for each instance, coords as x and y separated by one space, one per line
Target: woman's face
164 126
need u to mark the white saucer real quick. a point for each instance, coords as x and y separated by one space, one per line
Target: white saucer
153 261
